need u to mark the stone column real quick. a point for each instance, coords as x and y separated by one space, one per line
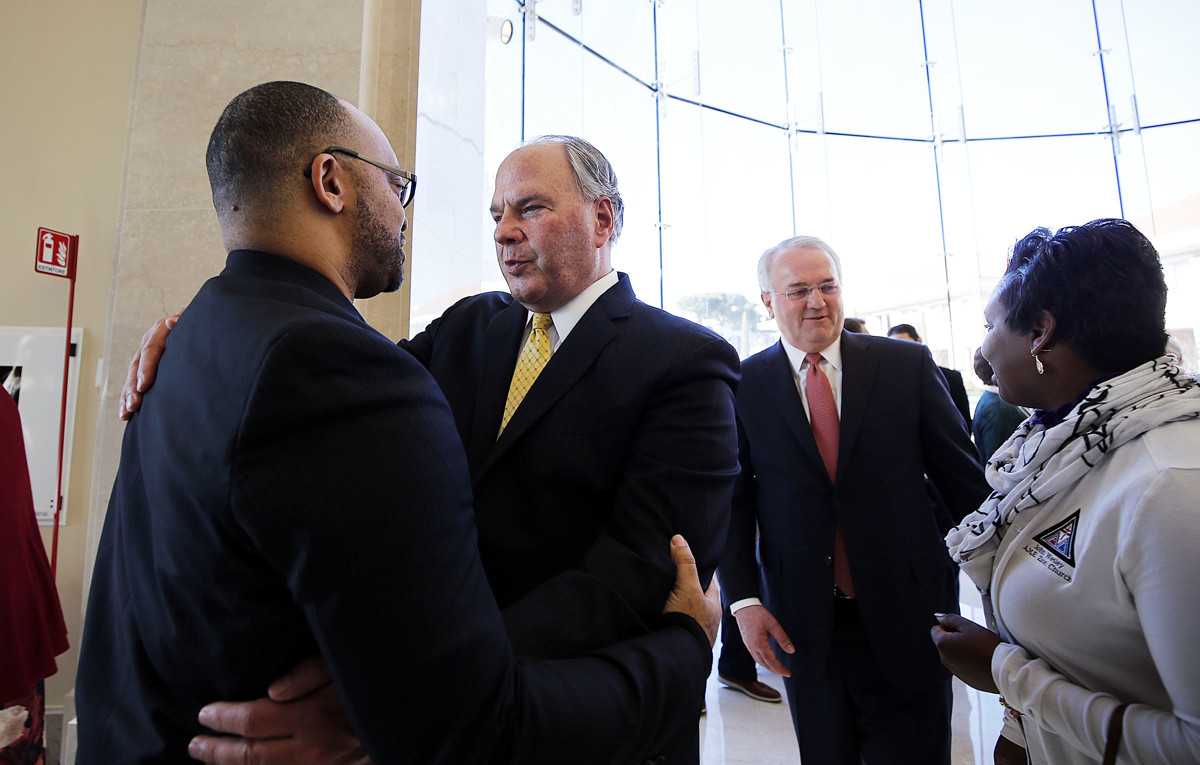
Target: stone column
387 91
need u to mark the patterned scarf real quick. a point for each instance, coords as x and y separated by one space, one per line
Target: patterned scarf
1038 462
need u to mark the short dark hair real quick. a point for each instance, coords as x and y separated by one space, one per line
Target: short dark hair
854 324
1102 282
907 329
267 132
983 370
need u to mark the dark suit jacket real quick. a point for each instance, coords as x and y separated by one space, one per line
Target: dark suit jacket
627 437
897 424
294 483
958 393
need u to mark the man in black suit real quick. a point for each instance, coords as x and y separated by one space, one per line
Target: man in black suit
953 378
295 484
837 432
625 437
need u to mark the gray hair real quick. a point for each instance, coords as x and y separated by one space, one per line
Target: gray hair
795 243
593 174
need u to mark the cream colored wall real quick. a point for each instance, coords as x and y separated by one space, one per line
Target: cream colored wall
108 110
192 59
66 74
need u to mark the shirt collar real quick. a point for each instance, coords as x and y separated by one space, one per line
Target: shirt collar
831 354
566 317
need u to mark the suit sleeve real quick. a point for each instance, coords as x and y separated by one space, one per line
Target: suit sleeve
349 478
420 346
677 478
951 460
739 565
958 393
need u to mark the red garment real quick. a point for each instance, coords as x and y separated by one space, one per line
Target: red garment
32 631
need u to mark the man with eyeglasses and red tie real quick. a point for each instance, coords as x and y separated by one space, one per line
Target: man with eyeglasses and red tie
837 432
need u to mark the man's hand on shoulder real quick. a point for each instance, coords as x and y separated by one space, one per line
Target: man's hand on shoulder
144 365
687 597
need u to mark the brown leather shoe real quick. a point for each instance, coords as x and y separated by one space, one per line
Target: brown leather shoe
754 689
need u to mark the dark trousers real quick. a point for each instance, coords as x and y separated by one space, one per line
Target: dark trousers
735 661
851 715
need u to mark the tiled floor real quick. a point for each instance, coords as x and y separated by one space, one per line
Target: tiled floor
741 731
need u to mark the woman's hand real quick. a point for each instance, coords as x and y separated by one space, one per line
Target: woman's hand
966 649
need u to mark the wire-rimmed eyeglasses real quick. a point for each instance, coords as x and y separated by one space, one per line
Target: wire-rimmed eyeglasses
406 183
828 289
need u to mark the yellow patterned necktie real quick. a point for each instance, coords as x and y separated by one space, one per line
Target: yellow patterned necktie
533 357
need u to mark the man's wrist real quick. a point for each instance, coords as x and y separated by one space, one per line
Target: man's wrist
743 603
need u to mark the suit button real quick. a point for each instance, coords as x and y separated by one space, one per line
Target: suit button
828 560
837 504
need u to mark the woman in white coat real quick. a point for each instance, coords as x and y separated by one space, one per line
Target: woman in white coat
1085 552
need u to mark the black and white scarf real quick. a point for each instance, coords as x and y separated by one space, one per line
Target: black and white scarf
1039 461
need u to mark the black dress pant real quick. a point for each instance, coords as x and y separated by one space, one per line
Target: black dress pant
735 661
851 714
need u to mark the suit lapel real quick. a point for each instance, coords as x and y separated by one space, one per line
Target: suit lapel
859 365
501 345
569 363
780 382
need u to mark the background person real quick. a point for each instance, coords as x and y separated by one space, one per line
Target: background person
837 432
856 325
995 419
953 378
1086 550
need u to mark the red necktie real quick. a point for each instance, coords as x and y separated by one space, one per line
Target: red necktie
822 413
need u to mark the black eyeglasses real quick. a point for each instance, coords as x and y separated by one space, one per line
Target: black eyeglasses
406 182
828 289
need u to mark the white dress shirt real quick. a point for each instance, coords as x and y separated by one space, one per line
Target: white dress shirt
566 317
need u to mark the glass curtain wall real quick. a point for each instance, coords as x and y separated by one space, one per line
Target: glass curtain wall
919 139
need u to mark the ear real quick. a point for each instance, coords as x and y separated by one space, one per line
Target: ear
767 298
604 222
1041 334
330 184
